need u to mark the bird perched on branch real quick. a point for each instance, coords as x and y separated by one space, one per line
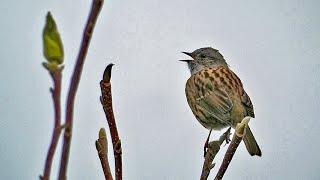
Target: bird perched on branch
216 96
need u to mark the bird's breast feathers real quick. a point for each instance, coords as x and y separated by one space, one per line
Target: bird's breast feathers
210 79
219 92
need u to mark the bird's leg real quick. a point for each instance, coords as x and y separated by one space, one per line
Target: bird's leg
206 144
227 139
228 135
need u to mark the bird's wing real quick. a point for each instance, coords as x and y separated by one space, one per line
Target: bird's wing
217 104
210 98
245 99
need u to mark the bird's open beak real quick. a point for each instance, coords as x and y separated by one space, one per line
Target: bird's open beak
187 53
187 60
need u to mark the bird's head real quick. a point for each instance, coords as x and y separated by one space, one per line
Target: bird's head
207 57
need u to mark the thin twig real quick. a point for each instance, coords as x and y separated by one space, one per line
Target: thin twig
102 149
56 94
106 101
213 149
94 12
228 156
237 137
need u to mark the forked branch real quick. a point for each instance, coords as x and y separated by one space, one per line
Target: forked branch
214 148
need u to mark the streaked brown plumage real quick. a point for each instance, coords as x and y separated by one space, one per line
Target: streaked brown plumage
216 96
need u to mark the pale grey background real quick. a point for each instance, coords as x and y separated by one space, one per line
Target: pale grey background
272 45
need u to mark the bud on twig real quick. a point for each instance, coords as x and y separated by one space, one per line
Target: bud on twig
52 45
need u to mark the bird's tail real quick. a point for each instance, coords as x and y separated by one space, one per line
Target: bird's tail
251 143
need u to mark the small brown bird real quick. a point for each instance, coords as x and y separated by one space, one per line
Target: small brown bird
216 96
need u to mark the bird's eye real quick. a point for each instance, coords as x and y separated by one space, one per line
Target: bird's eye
202 56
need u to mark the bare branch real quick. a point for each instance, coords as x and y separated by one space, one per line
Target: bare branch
94 12
237 137
56 97
106 101
213 149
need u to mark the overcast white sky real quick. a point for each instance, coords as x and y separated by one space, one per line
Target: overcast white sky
272 45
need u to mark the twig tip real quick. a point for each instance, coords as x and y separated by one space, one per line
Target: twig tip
107 73
102 133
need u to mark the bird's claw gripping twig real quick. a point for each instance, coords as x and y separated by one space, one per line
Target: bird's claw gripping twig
206 144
